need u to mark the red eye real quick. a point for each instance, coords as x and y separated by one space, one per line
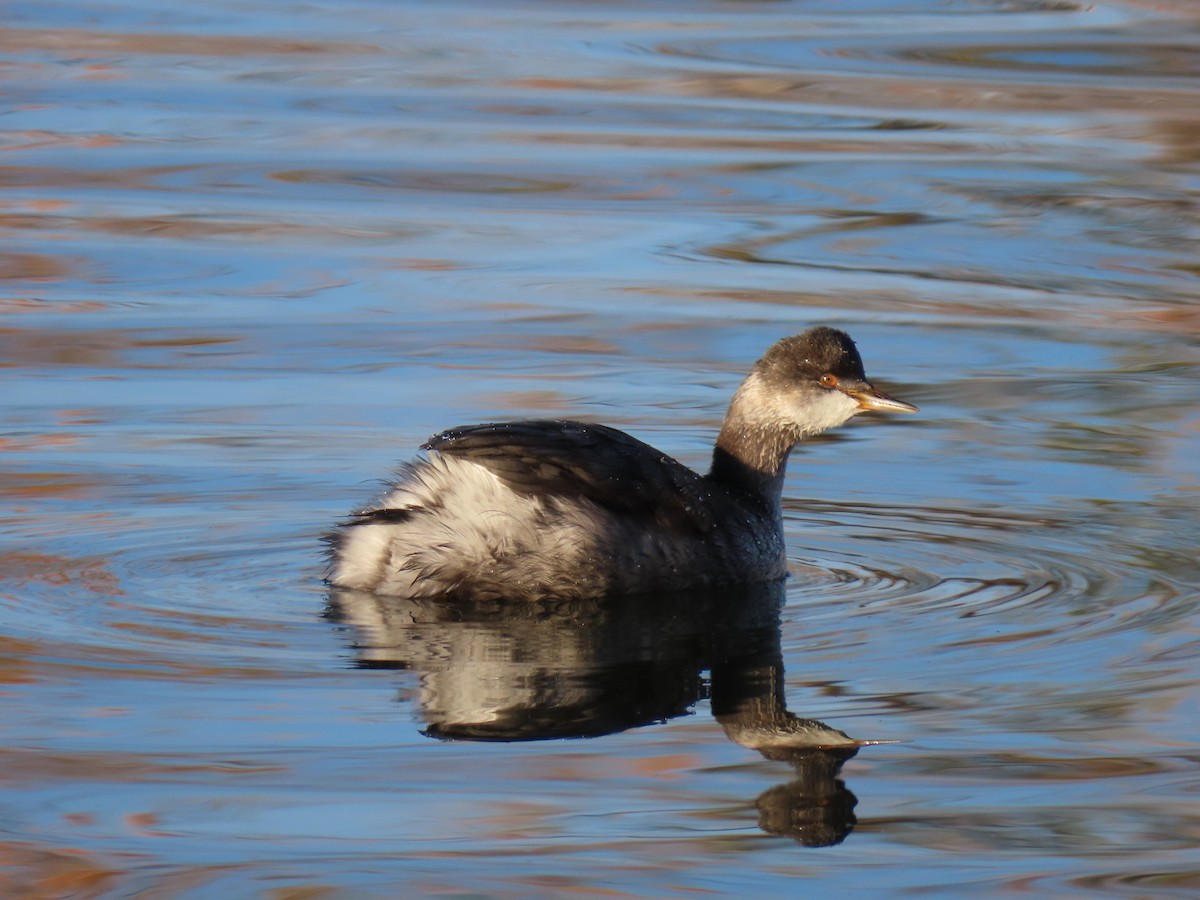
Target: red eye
829 380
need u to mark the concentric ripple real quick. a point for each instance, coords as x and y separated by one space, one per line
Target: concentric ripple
1036 570
153 599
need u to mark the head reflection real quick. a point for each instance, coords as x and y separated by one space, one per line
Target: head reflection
491 671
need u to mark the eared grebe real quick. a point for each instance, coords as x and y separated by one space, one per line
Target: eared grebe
548 509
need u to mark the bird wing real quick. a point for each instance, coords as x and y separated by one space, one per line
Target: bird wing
577 460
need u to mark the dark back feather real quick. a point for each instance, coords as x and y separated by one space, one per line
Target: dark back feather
577 460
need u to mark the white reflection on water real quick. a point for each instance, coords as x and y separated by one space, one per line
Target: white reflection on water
253 256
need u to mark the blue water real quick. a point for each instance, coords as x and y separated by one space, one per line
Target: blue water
253 254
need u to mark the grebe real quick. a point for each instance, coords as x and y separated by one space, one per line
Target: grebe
530 510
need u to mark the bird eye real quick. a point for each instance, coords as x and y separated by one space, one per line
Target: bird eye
829 380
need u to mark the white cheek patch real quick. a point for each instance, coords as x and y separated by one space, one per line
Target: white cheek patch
820 412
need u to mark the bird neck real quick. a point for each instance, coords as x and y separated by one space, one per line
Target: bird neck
753 446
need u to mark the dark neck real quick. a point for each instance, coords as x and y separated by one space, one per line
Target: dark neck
752 451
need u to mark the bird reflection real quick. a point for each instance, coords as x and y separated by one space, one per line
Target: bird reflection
491 671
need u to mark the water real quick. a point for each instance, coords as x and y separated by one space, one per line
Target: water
254 253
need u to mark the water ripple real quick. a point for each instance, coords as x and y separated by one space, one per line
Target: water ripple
1036 573
254 253
157 605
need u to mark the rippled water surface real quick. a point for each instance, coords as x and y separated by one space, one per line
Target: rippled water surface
254 253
